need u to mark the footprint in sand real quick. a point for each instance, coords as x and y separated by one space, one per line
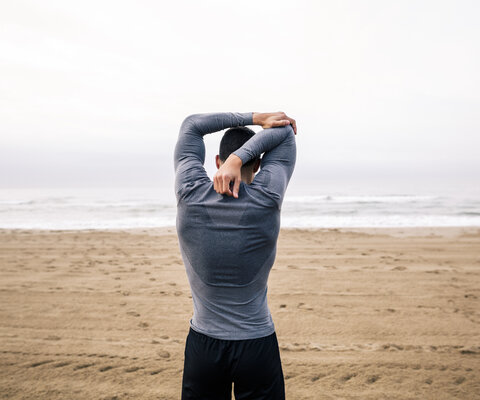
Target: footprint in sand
163 354
157 371
317 377
133 313
106 368
347 377
329 267
37 364
62 364
133 369
303 306
470 351
82 366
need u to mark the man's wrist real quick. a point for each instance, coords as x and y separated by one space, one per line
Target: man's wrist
234 160
257 118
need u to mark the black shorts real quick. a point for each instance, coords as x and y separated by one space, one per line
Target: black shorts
212 365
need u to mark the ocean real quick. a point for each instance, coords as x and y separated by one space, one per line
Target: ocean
328 206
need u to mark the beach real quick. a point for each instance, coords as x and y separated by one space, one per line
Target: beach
360 313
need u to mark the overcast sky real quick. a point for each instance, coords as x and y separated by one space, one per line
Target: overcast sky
94 92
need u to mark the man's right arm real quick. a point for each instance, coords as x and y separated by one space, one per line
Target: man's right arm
277 163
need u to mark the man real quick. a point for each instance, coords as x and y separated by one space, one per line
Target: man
228 232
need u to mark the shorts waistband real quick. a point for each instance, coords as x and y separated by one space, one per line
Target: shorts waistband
206 337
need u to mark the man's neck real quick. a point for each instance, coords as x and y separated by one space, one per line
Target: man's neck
247 178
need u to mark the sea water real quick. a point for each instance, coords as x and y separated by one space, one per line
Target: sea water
327 206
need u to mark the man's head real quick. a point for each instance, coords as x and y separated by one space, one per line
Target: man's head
232 140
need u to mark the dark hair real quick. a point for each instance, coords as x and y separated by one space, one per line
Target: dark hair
233 139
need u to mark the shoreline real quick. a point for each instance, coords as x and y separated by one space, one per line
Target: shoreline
444 231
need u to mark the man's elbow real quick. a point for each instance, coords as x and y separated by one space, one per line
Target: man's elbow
290 130
188 122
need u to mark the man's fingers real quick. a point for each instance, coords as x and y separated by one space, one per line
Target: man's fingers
282 122
236 186
218 184
222 185
294 124
226 186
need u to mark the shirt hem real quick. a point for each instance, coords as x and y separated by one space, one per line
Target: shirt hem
235 336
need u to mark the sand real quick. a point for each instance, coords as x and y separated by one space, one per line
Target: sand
359 313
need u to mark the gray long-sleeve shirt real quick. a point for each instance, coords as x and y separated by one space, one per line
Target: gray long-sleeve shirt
228 245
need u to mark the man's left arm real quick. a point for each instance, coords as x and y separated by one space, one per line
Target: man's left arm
189 155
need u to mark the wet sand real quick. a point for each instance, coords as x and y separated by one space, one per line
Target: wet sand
359 313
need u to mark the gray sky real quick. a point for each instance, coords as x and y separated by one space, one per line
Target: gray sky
94 92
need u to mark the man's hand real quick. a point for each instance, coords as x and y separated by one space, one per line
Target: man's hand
228 172
271 120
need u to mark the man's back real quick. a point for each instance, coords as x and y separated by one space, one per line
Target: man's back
228 246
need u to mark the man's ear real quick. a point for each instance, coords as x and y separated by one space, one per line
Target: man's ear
217 161
256 166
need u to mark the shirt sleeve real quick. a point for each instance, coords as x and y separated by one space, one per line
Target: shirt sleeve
277 163
189 154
